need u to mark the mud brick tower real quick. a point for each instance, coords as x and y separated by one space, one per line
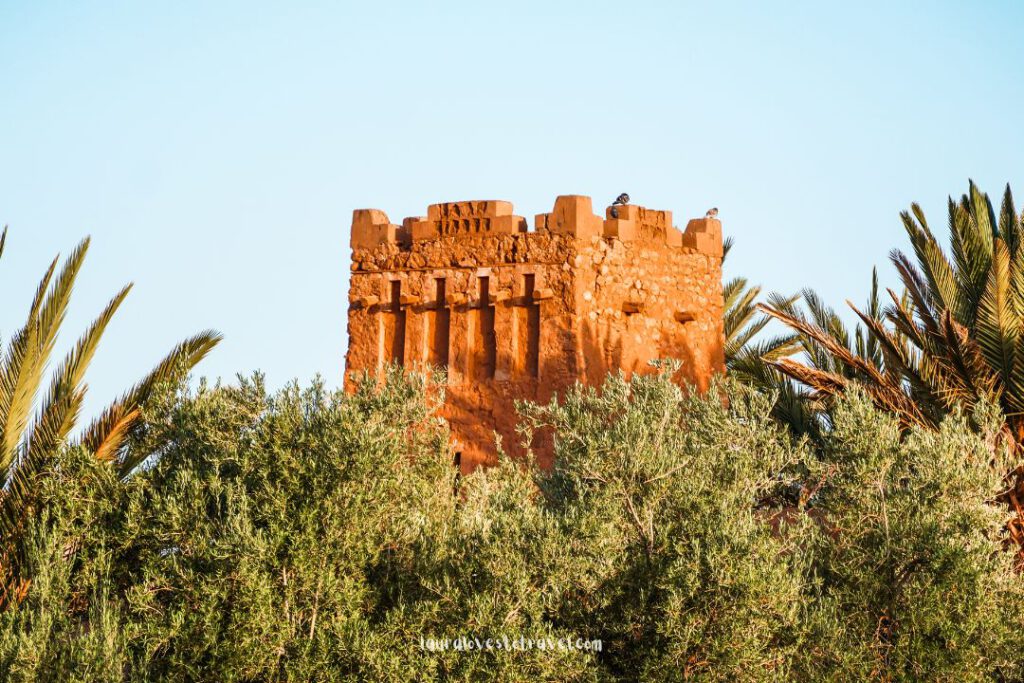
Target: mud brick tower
512 313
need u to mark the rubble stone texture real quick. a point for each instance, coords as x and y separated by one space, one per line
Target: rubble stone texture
516 314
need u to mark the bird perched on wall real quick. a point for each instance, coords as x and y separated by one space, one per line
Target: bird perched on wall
712 213
621 199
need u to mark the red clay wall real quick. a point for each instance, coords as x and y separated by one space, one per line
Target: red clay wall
513 314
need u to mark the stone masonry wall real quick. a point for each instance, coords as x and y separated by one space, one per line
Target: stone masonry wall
517 314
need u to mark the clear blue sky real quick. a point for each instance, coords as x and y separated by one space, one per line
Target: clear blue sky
215 151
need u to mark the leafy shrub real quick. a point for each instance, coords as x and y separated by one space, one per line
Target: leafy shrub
313 535
910 578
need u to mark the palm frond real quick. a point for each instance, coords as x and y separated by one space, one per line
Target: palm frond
727 245
55 306
943 287
819 380
733 290
982 212
1009 223
740 320
972 255
21 372
917 289
883 390
970 378
174 367
998 323
115 437
56 420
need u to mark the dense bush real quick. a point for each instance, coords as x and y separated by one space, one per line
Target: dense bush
310 535
910 573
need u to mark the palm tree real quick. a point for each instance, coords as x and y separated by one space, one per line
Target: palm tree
952 339
743 324
32 431
745 353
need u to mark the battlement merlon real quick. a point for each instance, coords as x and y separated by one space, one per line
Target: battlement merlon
372 228
572 215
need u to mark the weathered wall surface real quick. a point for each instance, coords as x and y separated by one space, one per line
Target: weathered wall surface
641 299
514 314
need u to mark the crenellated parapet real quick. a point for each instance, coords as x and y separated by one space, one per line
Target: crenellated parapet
572 215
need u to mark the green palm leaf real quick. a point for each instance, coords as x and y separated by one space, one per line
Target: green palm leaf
28 446
998 324
108 434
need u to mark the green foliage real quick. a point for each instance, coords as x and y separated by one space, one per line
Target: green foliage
659 492
70 625
749 356
950 341
29 444
313 535
911 576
